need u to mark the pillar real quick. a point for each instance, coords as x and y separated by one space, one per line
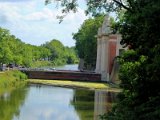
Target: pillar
102 50
104 58
98 61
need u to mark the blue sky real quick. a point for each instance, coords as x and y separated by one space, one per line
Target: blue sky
35 23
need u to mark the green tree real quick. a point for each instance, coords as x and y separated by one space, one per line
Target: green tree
27 55
44 53
6 55
71 55
86 42
139 70
57 52
13 50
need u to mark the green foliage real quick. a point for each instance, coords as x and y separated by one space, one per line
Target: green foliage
11 80
13 50
86 42
71 55
42 63
59 54
19 75
139 72
56 48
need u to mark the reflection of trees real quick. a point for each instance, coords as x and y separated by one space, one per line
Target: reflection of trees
10 103
83 103
90 104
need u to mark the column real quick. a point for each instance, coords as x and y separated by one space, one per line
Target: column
104 61
98 61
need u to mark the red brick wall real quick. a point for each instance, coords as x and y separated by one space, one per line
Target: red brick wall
112 53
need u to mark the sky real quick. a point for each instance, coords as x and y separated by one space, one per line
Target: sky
35 23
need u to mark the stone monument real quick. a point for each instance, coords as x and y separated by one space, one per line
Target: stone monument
108 46
102 46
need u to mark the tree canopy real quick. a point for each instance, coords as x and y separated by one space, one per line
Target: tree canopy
14 51
60 54
139 70
86 41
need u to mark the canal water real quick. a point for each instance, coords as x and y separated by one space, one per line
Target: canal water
64 67
68 67
41 102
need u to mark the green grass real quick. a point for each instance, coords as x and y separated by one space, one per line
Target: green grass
75 84
11 79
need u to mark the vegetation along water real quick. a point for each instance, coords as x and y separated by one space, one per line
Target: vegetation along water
10 80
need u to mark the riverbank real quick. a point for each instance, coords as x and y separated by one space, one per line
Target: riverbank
76 84
10 80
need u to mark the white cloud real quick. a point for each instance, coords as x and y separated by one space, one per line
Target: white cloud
14 1
35 23
45 14
78 16
11 12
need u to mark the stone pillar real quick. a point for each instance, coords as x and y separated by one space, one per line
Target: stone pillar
99 47
105 39
107 58
104 58
102 50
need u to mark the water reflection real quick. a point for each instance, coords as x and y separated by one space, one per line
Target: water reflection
90 104
40 102
102 103
83 103
10 103
48 103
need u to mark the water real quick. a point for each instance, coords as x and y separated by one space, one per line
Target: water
64 67
68 67
40 102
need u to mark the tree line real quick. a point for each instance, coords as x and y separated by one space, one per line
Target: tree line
14 51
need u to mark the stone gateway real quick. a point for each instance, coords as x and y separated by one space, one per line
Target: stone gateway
108 47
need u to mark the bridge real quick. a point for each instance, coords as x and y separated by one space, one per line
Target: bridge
62 75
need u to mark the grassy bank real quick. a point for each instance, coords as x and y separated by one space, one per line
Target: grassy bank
11 79
75 84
